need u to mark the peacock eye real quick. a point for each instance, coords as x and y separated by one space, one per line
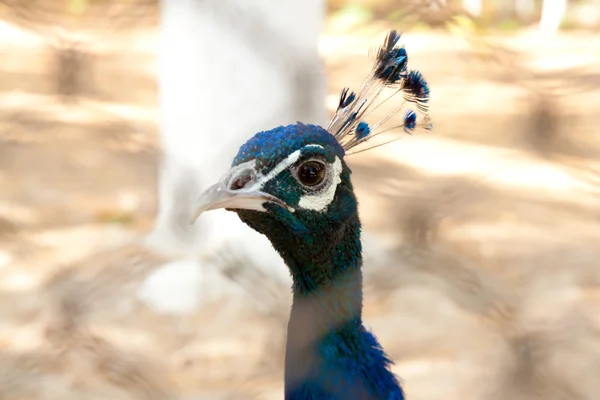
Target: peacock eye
311 173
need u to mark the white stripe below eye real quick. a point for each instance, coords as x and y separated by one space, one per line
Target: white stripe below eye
320 201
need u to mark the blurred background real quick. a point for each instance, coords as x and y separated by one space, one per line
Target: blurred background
482 238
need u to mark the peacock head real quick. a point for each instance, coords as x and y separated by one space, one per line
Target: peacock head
293 181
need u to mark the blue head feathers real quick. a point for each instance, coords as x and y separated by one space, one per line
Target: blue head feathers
270 147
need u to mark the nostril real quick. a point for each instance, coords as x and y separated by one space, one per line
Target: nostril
240 182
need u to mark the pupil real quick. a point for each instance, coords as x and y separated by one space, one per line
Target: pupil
311 173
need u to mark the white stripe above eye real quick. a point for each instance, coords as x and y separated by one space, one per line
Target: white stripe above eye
279 168
285 164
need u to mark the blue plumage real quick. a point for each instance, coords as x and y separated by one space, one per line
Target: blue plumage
293 185
416 90
410 121
391 60
362 130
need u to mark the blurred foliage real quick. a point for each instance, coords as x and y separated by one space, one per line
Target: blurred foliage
77 6
63 25
498 15
44 16
509 25
351 16
117 217
462 25
569 24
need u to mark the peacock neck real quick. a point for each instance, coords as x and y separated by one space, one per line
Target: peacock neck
327 283
332 305
329 354
328 316
326 311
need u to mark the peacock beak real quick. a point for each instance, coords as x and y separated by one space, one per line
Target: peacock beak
240 188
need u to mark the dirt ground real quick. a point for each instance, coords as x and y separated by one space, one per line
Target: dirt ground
491 290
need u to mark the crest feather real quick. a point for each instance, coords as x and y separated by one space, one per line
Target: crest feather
390 72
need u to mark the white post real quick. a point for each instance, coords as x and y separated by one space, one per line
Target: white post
553 13
228 69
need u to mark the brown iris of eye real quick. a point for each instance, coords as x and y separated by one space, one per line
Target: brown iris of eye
311 173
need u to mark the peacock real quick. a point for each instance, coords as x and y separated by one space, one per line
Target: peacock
292 184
